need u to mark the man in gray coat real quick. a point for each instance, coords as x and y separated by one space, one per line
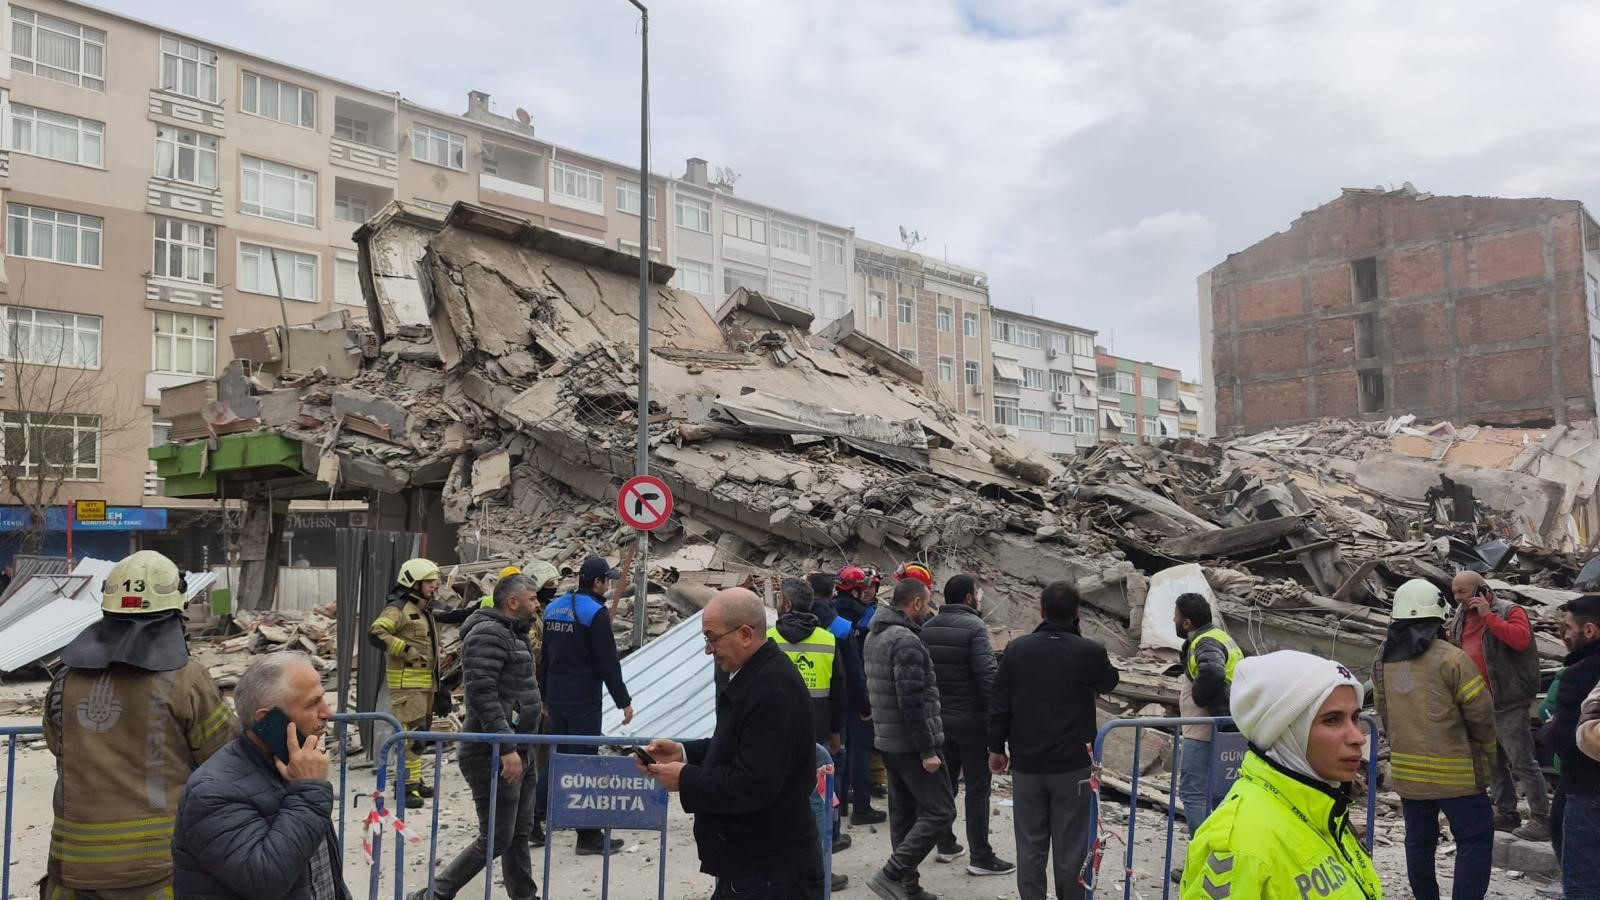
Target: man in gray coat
910 735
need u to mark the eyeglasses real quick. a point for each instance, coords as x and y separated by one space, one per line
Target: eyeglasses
711 639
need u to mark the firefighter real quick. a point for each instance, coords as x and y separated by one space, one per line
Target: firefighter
129 717
409 636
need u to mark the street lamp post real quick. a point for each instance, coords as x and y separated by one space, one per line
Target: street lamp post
642 463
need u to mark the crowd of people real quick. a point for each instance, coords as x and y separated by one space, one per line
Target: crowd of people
236 803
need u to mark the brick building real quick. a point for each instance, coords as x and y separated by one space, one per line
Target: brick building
1473 309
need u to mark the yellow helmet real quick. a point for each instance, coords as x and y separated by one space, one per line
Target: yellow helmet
414 571
146 582
541 573
509 571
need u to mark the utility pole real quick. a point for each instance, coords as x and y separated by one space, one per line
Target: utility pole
642 464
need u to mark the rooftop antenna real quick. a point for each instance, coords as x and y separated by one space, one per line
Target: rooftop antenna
910 238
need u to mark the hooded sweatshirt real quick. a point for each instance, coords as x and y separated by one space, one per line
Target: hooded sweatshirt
827 712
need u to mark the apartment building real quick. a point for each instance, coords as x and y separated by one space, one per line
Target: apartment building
1141 402
1191 412
161 190
934 313
1045 382
720 242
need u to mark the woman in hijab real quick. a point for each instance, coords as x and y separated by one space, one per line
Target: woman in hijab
1284 829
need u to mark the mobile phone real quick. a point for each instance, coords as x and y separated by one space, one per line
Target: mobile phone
1482 591
273 729
644 757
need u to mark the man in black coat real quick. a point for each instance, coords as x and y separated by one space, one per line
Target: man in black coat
502 698
1041 724
254 827
749 786
1576 813
963 662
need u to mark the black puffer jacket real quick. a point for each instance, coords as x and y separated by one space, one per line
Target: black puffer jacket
904 689
963 661
1579 773
497 668
243 833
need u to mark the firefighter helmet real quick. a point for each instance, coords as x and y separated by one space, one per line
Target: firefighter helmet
914 570
416 571
509 571
851 578
1418 599
146 582
541 573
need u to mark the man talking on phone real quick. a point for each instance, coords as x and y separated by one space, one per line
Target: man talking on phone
1496 634
256 820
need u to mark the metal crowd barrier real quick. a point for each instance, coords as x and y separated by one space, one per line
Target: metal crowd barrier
11 733
342 721
1221 742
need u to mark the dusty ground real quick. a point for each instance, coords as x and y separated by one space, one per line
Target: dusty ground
634 873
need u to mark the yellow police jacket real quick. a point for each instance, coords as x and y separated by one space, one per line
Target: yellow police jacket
1278 835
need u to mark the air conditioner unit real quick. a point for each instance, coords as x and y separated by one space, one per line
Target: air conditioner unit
1052 353
978 388
1059 398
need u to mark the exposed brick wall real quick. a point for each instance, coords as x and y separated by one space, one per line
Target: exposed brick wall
1264 301
1415 330
1423 385
1416 272
1268 352
1510 258
1336 395
1511 315
1505 377
1331 289
1334 341
1267 402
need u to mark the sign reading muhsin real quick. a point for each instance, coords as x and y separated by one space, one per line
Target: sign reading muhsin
604 792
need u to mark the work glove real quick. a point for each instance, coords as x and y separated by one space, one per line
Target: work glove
441 703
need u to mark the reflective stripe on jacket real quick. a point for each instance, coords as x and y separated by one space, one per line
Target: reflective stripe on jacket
406 631
813 657
1279 835
1439 718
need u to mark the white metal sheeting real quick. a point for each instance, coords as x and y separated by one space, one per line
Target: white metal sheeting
673 685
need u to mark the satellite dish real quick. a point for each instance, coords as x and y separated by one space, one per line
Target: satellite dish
522 116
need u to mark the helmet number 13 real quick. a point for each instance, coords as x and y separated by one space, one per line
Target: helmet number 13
136 586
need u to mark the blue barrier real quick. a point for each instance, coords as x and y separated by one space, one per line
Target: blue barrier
1089 874
11 733
342 722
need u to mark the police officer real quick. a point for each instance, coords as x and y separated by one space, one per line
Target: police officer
128 719
579 655
409 637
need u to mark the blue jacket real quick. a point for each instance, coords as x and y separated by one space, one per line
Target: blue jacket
243 833
579 654
857 621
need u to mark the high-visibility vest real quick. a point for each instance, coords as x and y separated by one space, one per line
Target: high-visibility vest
813 657
1192 666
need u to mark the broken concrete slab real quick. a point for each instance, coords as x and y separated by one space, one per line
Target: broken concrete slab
491 474
369 414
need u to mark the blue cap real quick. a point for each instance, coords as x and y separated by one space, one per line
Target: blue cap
596 567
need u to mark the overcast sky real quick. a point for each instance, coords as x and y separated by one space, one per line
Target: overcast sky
1092 157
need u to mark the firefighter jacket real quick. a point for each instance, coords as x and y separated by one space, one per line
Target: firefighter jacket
1439 717
125 741
1279 834
409 636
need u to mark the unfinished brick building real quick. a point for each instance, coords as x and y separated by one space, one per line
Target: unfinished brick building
1473 309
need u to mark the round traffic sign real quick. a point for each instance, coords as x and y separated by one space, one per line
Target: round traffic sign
644 503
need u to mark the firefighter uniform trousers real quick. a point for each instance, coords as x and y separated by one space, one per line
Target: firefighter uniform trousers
125 741
410 639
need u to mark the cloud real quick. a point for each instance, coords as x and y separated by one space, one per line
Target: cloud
1093 157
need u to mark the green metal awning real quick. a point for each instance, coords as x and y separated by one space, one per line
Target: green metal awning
197 470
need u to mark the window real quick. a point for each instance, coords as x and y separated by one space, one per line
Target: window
742 226
907 311
1151 429
1061 381
1594 295
1128 425
1031 420
830 249
188 69
1005 411
57 49
794 293
793 238
946 318
832 302
1085 424
1030 337
692 213
575 183
41 132
352 129
969 324
186 251
733 279
1033 379
1147 386
1364 272
274 99
909 354
947 369
50 234
1060 424
1124 382
350 208
1082 344
183 155
1058 343
297 272
628 197
347 282
694 277
970 371
185 345
875 303
1003 331
49 338
438 147
51 444
276 191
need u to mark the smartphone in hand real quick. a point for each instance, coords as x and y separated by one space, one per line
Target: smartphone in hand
273 729
646 758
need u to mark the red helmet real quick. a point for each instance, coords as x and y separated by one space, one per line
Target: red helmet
851 578
914 570
872 575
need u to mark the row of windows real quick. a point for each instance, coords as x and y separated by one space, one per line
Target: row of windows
905 313
1024 336
51 444
694 213
1127 383
1008 412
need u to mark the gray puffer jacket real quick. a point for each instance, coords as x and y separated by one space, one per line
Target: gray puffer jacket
498 673
902 686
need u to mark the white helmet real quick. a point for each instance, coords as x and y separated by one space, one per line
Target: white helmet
1418 599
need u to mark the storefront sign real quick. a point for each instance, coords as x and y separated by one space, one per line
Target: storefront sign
117 518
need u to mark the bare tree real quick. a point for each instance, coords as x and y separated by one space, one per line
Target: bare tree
59 408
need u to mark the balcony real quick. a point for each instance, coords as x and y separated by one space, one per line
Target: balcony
494 184
155 381
363 139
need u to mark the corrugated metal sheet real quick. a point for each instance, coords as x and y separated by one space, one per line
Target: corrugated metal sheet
673 684
25 564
